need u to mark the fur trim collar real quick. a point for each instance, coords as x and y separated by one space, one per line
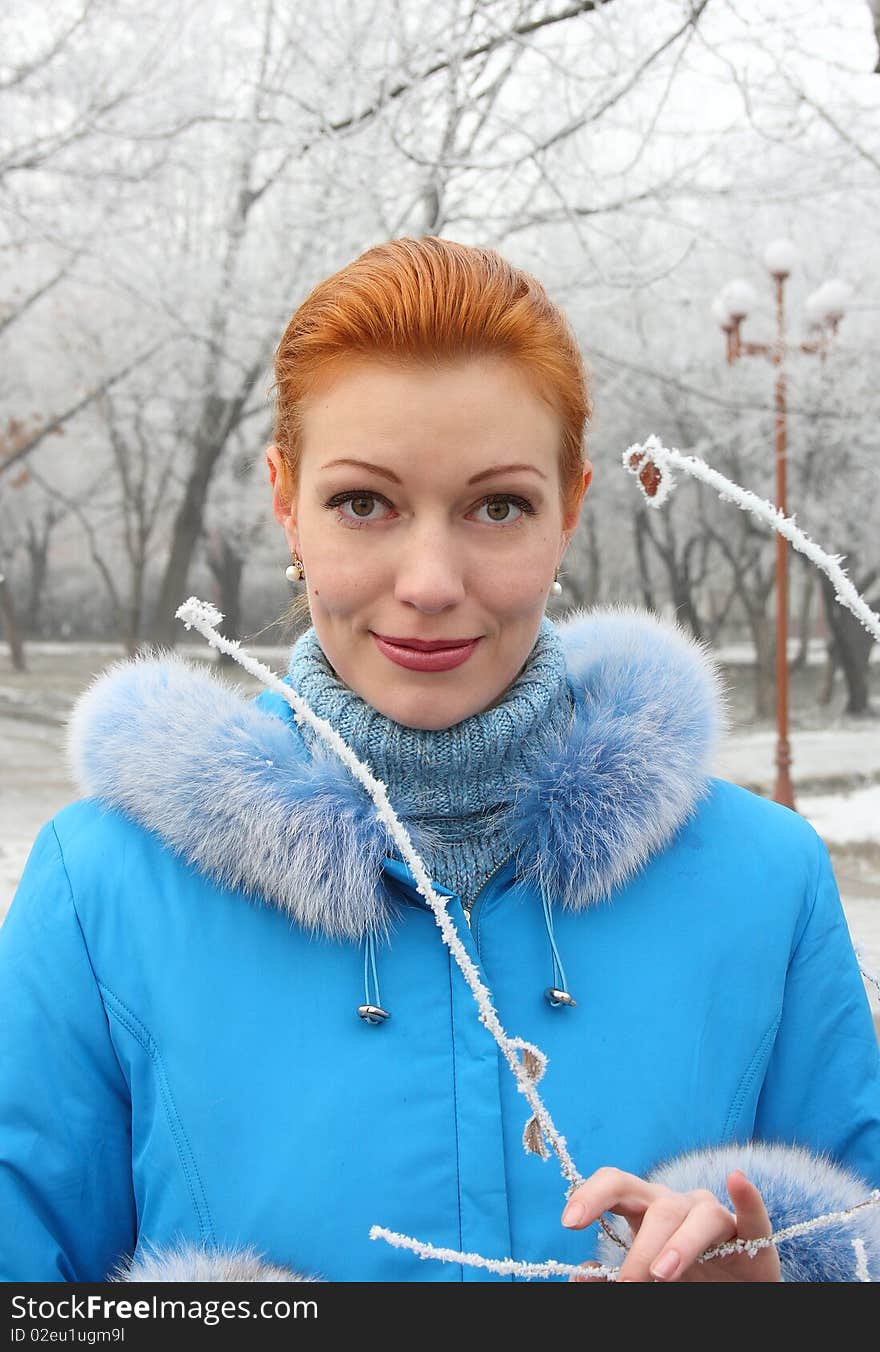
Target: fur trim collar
228 782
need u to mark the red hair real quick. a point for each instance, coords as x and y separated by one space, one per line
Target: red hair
432 300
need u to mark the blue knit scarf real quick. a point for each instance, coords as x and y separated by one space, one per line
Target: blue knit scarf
454 783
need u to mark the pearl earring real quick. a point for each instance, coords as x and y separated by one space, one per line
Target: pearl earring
557 585
295 572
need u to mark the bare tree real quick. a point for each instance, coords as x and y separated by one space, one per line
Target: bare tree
11 629
38 534
235 522
144 464
852 644
121 508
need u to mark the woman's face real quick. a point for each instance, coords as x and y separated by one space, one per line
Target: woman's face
428 508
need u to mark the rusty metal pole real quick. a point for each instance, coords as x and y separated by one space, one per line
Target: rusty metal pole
829 304
784 791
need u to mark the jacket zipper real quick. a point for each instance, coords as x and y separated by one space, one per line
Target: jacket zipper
470 911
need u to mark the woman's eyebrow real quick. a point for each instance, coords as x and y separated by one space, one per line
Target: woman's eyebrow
504 469
389 474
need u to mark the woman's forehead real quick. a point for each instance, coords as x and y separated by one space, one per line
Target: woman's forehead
486 405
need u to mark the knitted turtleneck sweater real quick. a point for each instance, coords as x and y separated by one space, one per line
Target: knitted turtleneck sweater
454 784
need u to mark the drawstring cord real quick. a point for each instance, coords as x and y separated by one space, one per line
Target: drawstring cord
557 994
371 1010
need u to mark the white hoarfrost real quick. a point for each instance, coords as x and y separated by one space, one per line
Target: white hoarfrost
780 257
829 301
739 297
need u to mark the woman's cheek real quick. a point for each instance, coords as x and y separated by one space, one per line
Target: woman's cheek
345 589
520 585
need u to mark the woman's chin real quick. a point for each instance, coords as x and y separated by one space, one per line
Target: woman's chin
427 710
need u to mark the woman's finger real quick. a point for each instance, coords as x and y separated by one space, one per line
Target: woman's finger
707 1223
609 1190
752 1220
660 1222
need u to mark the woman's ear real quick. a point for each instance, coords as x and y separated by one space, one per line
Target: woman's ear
281 496
572 517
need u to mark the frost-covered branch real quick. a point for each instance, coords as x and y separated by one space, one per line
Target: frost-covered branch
652 464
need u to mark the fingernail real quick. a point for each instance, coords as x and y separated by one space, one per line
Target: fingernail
666 1265
574 1215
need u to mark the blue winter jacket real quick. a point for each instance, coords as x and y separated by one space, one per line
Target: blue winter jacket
187 1091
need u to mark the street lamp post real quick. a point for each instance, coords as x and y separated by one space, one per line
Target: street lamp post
825 308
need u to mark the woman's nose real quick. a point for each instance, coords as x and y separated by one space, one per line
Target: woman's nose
429 571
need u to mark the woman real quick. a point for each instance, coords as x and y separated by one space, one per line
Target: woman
235 1040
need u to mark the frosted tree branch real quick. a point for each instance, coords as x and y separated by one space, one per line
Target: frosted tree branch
551 1267
652 464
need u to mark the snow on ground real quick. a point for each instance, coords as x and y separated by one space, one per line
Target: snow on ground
743 654
836 772
817 755
844 818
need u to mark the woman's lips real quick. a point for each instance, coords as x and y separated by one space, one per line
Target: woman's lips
440 659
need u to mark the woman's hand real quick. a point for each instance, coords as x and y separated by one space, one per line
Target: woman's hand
671 1229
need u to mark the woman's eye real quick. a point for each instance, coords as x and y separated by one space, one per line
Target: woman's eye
361 506
498 510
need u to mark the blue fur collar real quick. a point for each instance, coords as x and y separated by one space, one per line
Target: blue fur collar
229 783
